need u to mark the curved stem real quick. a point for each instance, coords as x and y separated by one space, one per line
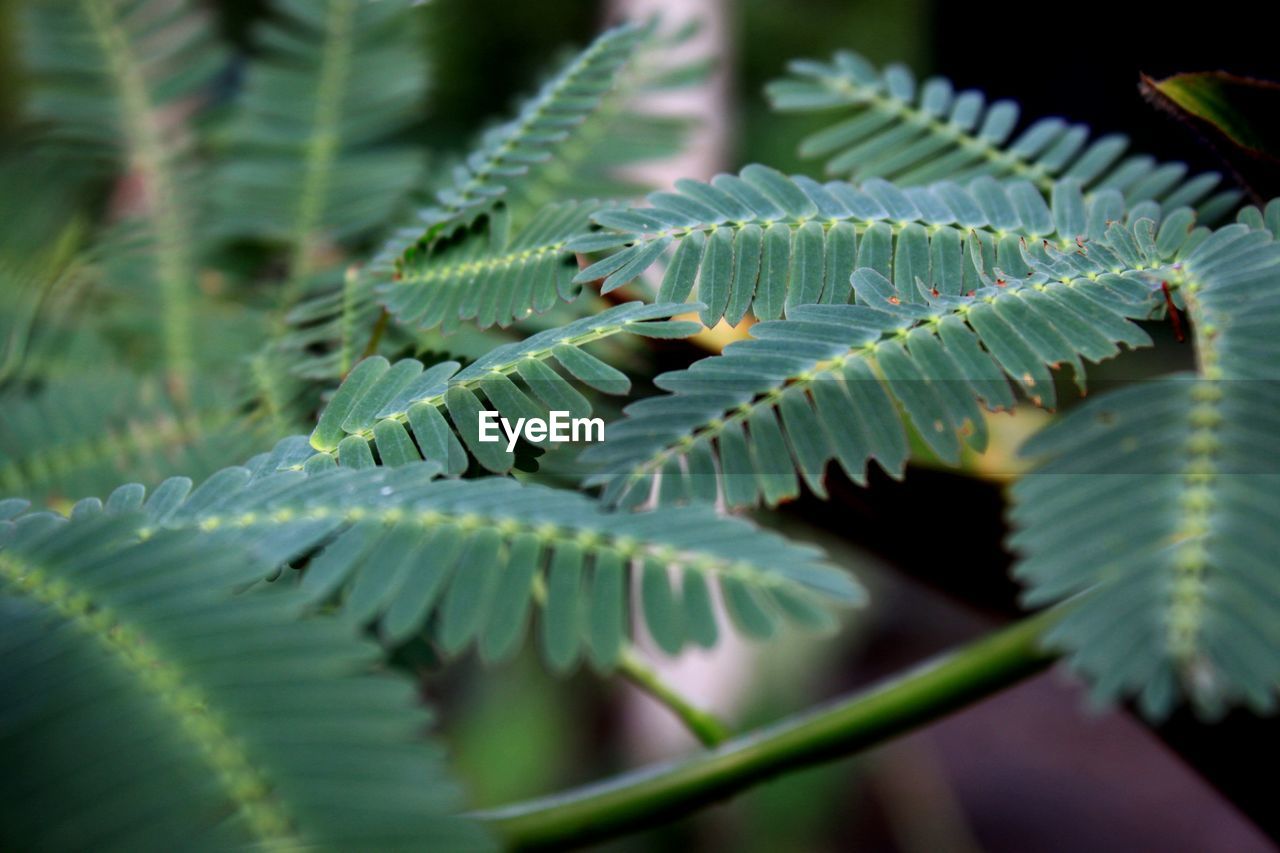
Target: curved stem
705 726
865 719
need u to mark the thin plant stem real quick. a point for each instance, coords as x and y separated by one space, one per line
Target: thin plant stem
865 719
709 729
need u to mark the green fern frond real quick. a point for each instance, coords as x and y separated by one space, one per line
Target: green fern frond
508 152
284 402
103 69
564 102
311 160
121 280
119 73
41 233
400 410
893 129
25 289
479 194
80 436
32 331
833 381
766 243
565 145
621 132
146 708
489 277
473 560
327 331
1159 500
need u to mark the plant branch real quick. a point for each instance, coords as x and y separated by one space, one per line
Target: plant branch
375 336
670 790
705 726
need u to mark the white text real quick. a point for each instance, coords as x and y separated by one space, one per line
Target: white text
560 427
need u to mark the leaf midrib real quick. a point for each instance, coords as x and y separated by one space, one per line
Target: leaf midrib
165 209
170 688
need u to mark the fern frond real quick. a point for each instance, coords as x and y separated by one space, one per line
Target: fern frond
25 289
311 160
401 409
544 122
1160 500
41 232
767 243
911 134
473 560
565 145
103 69
119 73
80 436
621 132
490 277
327 331
477 198
147 708
33 332
833 381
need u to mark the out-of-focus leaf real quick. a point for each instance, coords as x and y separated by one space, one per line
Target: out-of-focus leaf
1237 116
1236 106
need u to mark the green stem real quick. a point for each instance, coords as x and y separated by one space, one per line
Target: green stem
375 336
670 790
705 726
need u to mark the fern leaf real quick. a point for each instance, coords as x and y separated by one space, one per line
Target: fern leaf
407 412
473 560
312 160
507 152
595 159
118 73
26 288
426 269
1159 499
97 66
914 134
40 235
565 145
80 436
489 278
833 381
529 144
328 331
149 709
766 243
